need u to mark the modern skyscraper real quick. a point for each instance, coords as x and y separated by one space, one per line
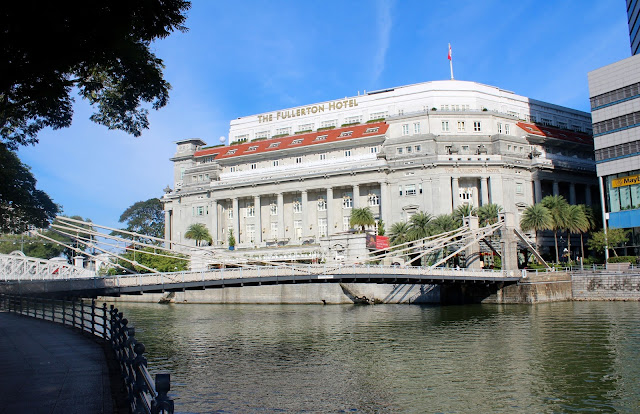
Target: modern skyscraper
633 11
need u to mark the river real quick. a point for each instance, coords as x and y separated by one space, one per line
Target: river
557 357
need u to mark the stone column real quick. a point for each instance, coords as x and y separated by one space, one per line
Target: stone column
556 188
356 196
472 253
572 193
455 193
496 195
167 229
214 222
258 210
236 219
385 204
329 210
484 191
587 194
280 216
305 212
537 189
509 245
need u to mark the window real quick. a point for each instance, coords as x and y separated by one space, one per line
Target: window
400 111
262 134
297 206
251 232
322 204
373 150
242 137
399 150
328 124
347 201
519 189
199 211
283 131
400 189
254 166
371 130
305 127
347 153
477 127
323 157
499 127
465 148
297 229
416 128
231 152
345 134
274 230
405 129
418 148
230 213
373 200
409 149
546 121
410 189
182 173
509 147
460 126
378 115
353 119
444 107
320 138
276 163
274 145
345 223
507 129
420 188
466 195
322 227
233 169
445 126
252 148
296 142
251 211
298 160
273 209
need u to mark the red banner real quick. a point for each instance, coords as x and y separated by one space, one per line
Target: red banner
382 242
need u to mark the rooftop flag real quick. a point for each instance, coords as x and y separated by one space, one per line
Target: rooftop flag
450 61
449 57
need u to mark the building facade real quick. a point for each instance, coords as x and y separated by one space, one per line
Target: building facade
633 11
291 177
615 107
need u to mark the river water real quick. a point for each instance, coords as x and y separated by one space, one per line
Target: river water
558 357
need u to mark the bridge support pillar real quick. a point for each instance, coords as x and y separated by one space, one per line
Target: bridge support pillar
509 243
472 253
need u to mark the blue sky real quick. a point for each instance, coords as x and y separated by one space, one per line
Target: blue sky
245 57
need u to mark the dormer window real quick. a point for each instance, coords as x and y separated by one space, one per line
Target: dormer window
296 141
252 148
346 134
320 138
231 152
274 145
371 130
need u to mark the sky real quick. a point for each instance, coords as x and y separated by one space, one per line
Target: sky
241 58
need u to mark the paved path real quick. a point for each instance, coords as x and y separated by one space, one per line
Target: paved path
48 368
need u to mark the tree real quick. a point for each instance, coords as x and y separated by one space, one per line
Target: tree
198 232
419 225
591 224
488 214
614 237
232 240
398 234
21 203
536 217
381 230
175 262
145 217
557 206
464 210
99 48
361 217
443 223
575 222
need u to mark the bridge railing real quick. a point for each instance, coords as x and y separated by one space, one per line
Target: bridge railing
144 395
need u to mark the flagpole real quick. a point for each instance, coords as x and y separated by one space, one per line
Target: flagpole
450 61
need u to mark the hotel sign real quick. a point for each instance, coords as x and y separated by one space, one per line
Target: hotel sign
309 110
625 181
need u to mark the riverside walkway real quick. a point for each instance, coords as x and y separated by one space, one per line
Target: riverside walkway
49 368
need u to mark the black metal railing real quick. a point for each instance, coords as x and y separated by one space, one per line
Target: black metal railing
144 395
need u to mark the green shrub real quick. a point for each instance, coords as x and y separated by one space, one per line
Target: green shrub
372 121
350 124
325 128
623 259
306 131
280 136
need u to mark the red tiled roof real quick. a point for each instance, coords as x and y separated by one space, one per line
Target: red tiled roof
550 132
295 141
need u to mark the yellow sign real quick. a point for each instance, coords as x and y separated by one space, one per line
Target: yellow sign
624 181
309 110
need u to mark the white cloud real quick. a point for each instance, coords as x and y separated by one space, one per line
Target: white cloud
384 25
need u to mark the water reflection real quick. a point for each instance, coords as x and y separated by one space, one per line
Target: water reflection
395 358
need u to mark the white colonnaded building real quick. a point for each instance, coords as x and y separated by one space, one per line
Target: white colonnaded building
291 177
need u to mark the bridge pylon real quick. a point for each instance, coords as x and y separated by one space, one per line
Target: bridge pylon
509 243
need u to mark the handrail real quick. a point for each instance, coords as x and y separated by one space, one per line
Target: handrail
143 393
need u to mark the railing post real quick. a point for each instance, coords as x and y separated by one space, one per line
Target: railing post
73 313
64 312
104 321
162 402
93 316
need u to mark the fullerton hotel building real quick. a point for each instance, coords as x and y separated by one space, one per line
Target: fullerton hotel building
292 176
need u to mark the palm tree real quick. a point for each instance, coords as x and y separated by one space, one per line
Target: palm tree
575 222
198 232
381 230
488 214
591 224
443 223
398 234
419 225
536 217
361 217
464 210
557 206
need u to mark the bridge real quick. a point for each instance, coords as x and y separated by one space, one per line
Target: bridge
24 275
